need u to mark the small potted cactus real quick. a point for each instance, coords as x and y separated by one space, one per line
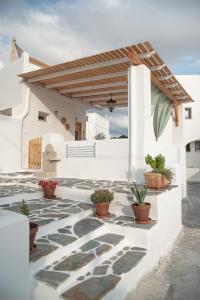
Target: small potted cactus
101 199
33 227
160 177
140 208
49 187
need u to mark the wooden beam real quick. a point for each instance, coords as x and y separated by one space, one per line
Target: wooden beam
86 88
37 62
177 113
162 88
154 80
87 79
109 92
88 67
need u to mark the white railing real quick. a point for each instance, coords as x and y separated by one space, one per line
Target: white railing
81 151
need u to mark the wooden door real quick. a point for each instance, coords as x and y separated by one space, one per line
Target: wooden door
35 151
78 131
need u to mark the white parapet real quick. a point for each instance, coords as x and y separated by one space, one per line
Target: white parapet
14 258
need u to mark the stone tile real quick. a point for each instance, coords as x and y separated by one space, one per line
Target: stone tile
138 249
80 278
110 238
73 210
92 289
102 249
127 262
114 258
64 230
141 226
125 218
56 215
101 270
86 225
62 205
74 262
85 206
107 262
43 241
42 250
54 279
89 245
61 239
43 222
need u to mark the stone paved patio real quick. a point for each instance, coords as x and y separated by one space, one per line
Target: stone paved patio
103 276
76 183
44 211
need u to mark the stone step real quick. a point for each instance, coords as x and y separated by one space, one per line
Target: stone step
105 277
72 268
52 214
64 240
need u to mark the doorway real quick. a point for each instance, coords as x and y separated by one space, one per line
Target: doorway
78 131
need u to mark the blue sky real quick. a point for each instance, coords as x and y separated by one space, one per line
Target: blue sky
57 31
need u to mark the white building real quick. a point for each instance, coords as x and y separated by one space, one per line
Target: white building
42 127
96 125
42 105
191 126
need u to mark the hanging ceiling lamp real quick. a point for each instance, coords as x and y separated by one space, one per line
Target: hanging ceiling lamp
111 104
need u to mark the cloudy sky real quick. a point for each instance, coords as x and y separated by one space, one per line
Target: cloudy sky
55 31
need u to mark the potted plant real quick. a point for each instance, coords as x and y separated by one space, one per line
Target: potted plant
49 187
140 207
33 227
160 177
101 199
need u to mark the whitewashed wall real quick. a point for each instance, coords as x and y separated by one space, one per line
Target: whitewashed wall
14 258
48 101
10 144
96 124
111 161
191 131
10 87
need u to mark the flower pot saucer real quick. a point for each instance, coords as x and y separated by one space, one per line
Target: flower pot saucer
51 197
101 217
144 222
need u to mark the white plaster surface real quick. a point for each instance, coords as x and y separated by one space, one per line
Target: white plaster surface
14 258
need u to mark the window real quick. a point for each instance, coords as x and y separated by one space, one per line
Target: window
188 147
188 113
197 146
42 116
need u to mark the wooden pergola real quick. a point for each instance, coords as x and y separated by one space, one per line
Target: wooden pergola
95 78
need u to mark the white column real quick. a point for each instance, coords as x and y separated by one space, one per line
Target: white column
140 130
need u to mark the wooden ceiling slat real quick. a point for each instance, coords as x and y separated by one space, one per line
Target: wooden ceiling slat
117 87
133 52
94 82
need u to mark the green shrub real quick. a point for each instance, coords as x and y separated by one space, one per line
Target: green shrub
158 166
101 196
24 208
138 193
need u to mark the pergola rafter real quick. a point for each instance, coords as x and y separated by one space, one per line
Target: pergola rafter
93 79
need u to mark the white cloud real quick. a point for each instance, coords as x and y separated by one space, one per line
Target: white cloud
56 31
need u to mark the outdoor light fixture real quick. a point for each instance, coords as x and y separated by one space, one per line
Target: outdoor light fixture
111 104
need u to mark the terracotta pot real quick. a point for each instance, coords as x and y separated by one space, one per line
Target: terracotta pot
141 213
49 192
33 228
156 180
102 209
